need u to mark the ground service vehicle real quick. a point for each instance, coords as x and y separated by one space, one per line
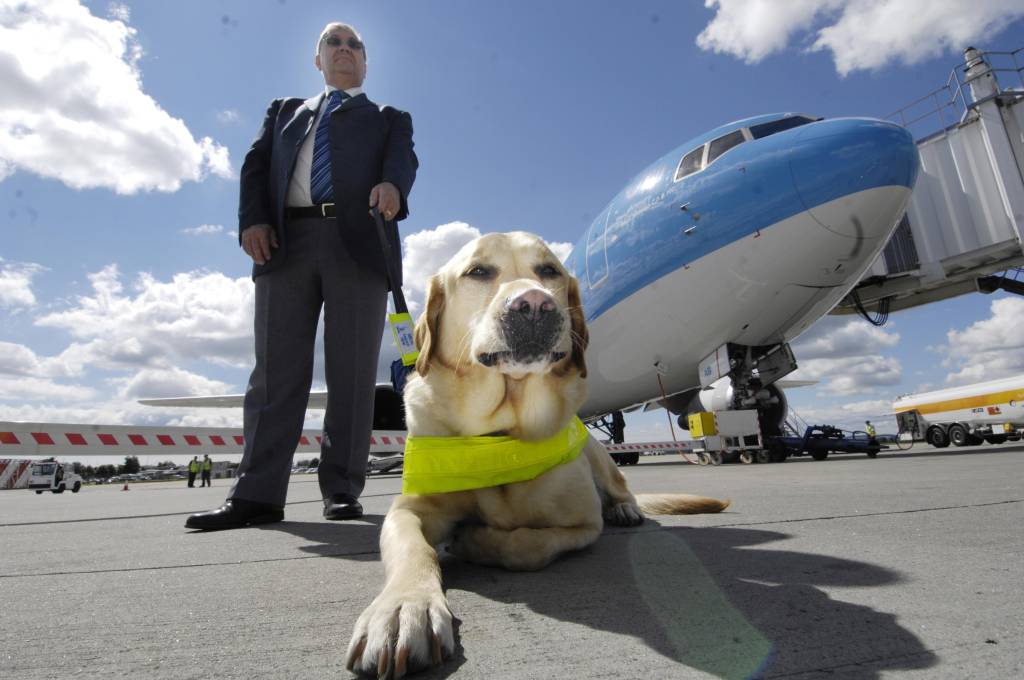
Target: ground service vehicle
51 475
991 411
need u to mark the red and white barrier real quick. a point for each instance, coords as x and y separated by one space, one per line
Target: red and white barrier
70 439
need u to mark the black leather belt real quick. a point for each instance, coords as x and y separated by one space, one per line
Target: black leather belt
304 212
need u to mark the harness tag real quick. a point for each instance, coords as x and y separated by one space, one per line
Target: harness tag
402 328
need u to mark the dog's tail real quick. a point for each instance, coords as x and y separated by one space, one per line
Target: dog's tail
679 504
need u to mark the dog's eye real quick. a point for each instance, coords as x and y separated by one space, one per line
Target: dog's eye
547 271
481 272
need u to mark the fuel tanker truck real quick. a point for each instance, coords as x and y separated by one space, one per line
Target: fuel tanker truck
991 411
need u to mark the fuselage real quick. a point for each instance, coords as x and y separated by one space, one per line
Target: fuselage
747 234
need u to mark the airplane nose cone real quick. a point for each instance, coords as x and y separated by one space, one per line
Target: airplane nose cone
852 173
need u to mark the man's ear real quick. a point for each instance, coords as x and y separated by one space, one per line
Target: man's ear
578 328
428 325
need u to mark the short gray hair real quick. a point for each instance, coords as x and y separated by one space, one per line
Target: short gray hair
336 25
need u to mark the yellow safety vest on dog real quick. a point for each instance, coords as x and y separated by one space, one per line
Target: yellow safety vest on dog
446 464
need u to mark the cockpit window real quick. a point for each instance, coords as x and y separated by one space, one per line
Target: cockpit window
719 146
691 163
781 125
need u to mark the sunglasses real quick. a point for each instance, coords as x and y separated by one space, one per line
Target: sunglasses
335 41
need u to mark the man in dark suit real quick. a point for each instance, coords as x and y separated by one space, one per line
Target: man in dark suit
307 184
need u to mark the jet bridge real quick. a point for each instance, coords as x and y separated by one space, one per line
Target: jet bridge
962 230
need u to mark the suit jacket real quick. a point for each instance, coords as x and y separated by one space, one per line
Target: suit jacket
369 145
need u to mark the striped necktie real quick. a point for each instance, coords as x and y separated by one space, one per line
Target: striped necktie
320 189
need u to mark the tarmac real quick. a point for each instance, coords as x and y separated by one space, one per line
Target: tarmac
908 565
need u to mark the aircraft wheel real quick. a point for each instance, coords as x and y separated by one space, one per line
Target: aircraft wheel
936 437
763 456
746 457
716 457
77 487
958 435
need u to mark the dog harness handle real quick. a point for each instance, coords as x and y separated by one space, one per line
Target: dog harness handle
446 464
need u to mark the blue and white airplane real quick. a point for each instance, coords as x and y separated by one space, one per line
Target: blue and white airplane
698 274
721 252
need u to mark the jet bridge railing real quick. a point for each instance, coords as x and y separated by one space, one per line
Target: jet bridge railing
951 104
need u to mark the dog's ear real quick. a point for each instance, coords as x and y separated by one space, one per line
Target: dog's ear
427 325
580 335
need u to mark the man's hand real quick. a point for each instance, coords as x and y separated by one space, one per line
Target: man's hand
387 199
257 242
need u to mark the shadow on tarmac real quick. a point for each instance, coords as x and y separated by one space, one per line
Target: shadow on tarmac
703 598
352 540
711 598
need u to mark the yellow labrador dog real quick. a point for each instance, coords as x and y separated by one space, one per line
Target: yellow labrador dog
502 345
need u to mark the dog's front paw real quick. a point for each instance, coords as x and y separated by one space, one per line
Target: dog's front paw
623 514
401 632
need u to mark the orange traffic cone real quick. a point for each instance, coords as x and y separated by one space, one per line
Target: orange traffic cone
125 487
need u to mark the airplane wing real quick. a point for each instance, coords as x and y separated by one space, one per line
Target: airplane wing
317 399
790 384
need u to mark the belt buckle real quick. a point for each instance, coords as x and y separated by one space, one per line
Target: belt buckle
323 209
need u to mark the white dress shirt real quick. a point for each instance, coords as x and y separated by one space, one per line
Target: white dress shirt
298 188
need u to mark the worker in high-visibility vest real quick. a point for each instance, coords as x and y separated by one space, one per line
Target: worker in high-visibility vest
193 470
207 466
869 428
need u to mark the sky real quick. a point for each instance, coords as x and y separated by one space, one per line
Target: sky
123 127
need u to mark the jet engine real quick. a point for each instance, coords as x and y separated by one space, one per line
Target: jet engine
770 402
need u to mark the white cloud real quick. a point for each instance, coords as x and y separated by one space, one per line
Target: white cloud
561 249
17 359
228 116
16 283
37 389
203 229
156 383
847 355
72 105
196 316
119 11
987 349
754 29
851 415
861 34
835 337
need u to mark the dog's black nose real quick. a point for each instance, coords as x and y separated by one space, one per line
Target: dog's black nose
533 304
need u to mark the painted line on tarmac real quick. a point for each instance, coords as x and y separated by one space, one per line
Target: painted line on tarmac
868 514
164 567
162 514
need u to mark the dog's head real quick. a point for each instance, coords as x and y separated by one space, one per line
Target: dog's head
503 302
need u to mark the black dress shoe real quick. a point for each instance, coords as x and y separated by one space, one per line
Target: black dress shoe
342 506
234 514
